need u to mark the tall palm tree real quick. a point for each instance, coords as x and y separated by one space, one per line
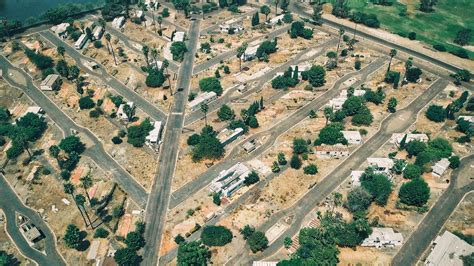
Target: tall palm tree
87 182
70 189
205 109
154 54
164 66
108 38
392 54
241 52
82 26
159 19
146 51
102 23
408 65
80 201
276 6
341 32
152 6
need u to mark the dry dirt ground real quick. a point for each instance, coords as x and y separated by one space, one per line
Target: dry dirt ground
67 100
462 218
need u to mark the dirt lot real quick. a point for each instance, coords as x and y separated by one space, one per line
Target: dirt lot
462 218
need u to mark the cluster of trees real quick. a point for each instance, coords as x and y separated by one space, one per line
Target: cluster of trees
288 79
255 239
71 148
61 13
427 5
298 30
193 253
136 135
225 113
75 238
7 259
370 20
134 241
463 37
355 106
316 76
178 49
265 49
248 116
378 186
437 113
9 27
211 84
40 60
216 236
206 145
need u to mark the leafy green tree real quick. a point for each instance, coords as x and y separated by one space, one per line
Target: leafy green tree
216 199
216 235
101 233
463 36
454 162
134 240
225 113
363 117
257 241
193 253
211 84
252 178
331 134
72 144
287 242
414 193
392 105
414 147
247 231
266 48
399 166
295 162
413 74
310 169
393 53
265 10
178 49
316 76
358 200
353 105
378 185
275 167
412 171
316 248
72 237
155 78
62 68
436 113
136 135
253 122
127 257
209 147
439 148
300 146
7 259
376 97
255 20
40 60
178 239
86 102
242 48
287 18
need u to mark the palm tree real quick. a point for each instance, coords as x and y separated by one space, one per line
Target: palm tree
152 6
328 113
276 6
69 189
87 182
341 32
82 26
61 50
108 38
393 53
205 109
154 54
159 20
80 201
164 66
408 65
241 52
146 51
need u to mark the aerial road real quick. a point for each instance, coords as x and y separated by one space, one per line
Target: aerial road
158 200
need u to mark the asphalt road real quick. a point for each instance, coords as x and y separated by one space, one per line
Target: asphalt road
96 152
397 122
158 200
271 135
227 97
11 206
421 238
153 111
223 56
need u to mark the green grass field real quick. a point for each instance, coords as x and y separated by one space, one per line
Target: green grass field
438 27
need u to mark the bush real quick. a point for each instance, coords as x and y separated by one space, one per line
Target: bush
310 169
357 64
436 113
440 47
252 178
179 239
295 162
101 233
414 193
94 113
86 102
412 35
116 140
253 122
413 74
216 235
460 53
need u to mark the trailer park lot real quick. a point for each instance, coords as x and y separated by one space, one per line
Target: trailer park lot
281 202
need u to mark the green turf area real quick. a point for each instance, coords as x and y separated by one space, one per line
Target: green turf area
438 27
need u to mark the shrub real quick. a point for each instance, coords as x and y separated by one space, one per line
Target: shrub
357 64
252 178
116 140
310 169
436 113
358 200
101 233
98 44
211 84
440 47
412 35
295 162
216 235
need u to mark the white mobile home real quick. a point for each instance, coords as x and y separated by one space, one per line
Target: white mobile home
398 137
274 21
383 237
234 23
440 167
80 42
448 249
352 137
178 36
381 165
154 135
51 82
250 53
121 113
60 30
336 103
118 22
230 180
202 99
331 151
98 33
226 136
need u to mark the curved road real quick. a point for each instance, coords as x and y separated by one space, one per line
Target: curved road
420 240
397 122
96 152
11 205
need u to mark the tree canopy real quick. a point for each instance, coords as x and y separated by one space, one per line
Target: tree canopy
178 49
331 134
193 253
211 84
216 235
414 193
378 185
257 241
